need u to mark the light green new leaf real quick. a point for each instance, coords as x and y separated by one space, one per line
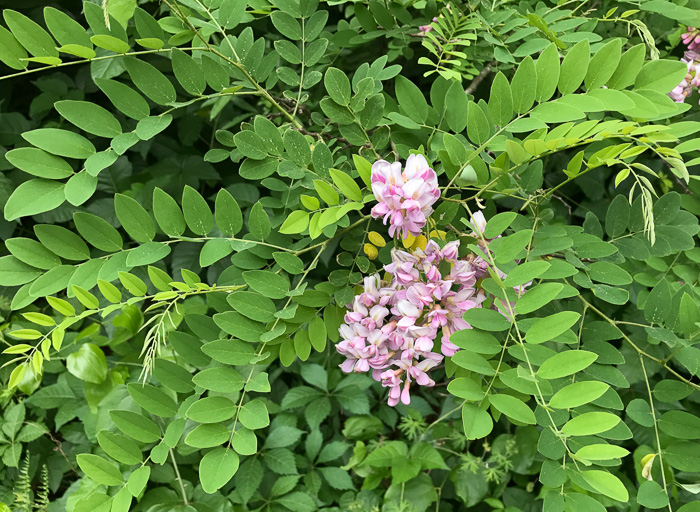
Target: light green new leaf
326 192
601 452
346 185
297 222
590 423
577 394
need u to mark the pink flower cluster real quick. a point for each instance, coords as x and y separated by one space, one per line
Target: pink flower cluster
691 38
404 197
691 80
423 29
391 327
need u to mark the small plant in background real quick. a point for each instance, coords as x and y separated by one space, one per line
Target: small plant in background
288 255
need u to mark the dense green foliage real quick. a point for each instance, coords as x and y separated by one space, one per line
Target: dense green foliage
186 215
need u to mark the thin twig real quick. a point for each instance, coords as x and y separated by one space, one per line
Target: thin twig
480 77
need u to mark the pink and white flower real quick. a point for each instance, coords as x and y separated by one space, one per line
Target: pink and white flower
404 196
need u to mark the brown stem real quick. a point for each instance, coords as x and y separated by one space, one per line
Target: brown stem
480 77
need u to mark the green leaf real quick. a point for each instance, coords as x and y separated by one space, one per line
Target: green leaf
88 364
134 285
548 71
477 422
411 99
661 75
456 109
35 39
150 81
208 435
259 222
253 415
523 86
33 197
149 127
498 224
124 98
138 480
216 469
152 399
270 134
326 192
338 86
98 232
39 163
297 147
227 213
601 452
65 29
251 144
89 117
99 470
513 408
239 326
213 250
577 394
267 283
188 72
212 409
196 211
651 495
478 128
62 242
136 426
603 64
60 142
486 319
134 218
12 54
289 262
120 448
110 43
680 425
510 247
590 423
110 292
574 67
346 185
168 213
32 253
526 272
86 298
565 363
222 380
607 484
627 70
548 328
228 351
297 222
501 100
537 297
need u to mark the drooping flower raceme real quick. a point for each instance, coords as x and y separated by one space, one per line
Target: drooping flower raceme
404 196
400 329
